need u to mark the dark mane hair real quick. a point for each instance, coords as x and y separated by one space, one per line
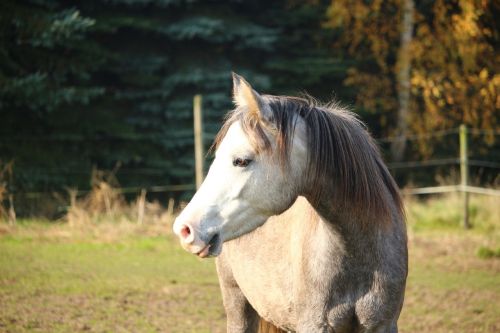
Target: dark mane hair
340 149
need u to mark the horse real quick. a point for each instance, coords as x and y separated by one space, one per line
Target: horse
306 222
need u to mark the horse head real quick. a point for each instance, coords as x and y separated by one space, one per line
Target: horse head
258 171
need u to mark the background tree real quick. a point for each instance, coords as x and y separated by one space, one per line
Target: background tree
47 62
87 84
369 34
455 66
100 84
453 62
403 85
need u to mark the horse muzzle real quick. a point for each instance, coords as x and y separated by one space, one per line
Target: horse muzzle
201 244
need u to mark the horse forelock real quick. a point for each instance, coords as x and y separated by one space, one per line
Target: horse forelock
341 154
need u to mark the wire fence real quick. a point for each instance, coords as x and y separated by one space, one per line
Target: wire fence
459 135
415 164
462 160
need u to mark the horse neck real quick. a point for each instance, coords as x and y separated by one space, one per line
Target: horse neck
343 235
341 221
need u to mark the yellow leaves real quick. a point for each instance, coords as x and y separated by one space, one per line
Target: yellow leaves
436 92
465 23
375 92
367 29
450 100
453 68
487 32
453 60
493 92
483 75
337 14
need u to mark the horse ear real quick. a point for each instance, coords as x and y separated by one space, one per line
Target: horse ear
245 96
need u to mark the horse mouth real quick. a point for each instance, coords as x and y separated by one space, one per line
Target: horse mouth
212 249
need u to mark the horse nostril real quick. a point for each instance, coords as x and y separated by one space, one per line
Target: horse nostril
214 240
186 233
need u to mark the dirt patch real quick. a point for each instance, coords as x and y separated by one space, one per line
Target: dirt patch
453 253
450 289
173 309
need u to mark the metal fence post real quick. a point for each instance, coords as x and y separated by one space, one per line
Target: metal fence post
464 175
198 140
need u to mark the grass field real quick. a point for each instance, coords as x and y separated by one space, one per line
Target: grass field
120 277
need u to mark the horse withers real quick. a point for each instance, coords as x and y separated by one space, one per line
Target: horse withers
304 218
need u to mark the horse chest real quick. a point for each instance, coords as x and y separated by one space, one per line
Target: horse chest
269 266
263 269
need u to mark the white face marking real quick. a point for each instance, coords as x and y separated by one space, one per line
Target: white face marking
234 200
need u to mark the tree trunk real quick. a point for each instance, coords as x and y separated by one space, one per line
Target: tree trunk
403 80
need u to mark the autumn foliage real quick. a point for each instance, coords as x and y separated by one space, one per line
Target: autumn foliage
454 64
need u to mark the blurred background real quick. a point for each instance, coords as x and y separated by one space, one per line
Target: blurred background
89 86
97 146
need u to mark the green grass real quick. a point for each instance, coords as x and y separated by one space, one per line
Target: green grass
113 277
134 284
452 285
445 212
487 253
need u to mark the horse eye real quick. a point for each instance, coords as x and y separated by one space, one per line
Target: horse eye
241 162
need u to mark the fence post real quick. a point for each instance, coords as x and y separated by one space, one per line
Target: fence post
12 211
464 175
198 140
141 206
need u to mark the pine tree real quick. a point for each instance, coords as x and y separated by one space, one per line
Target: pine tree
46 66
110 83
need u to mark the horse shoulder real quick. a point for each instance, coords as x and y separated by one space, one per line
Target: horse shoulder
264 263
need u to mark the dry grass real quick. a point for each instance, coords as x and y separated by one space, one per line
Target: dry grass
445 211
452 287
106 203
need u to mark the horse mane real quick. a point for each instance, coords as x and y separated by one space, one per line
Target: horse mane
340 151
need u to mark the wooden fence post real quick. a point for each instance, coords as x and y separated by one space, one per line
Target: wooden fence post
12 211
198 140
141 206
464 175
